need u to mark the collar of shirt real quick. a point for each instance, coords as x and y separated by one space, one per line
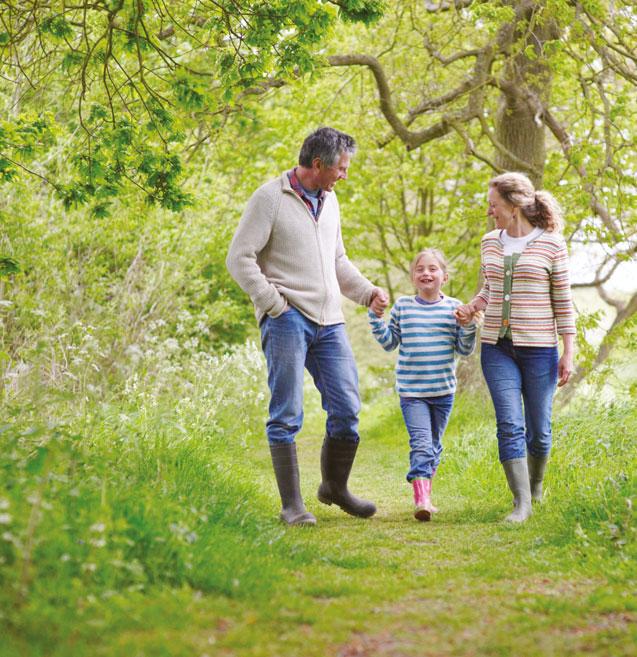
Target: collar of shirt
424 302
295 184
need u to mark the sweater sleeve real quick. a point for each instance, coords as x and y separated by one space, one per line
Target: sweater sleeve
465 339
250 238
388 336
484 291
561 298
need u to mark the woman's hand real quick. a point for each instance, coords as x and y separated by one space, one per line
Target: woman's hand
564 369
565 364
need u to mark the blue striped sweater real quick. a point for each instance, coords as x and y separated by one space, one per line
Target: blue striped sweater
429 337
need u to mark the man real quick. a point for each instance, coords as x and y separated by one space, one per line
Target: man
288 256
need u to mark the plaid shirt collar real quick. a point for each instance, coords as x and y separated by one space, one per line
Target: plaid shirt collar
295 184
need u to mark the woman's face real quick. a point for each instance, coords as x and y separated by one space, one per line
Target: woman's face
499 209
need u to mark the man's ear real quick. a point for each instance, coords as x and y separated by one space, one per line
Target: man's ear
317 165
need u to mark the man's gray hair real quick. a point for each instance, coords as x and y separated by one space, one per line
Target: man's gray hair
328 145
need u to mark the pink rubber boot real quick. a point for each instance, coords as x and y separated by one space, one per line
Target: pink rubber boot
422 499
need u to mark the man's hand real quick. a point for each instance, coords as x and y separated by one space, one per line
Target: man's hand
379 301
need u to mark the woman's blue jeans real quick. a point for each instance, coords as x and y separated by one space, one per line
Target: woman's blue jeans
522 382
291 342
426 420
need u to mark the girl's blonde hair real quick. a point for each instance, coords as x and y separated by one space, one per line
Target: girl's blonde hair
539 207
434 253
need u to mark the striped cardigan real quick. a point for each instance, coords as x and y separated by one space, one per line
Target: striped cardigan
541 302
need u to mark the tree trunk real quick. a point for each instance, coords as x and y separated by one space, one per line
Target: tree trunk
518 130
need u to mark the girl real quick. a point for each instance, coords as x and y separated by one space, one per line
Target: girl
527 297
426 329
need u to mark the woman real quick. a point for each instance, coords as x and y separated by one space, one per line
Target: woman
527 300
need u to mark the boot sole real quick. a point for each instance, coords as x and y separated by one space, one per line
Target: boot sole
423 515
329 502
301 521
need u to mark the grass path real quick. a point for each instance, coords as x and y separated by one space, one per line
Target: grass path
465 584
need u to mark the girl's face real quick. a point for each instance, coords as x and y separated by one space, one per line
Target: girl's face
428 277
499 209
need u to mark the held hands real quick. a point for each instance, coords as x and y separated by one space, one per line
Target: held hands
379 302
466 314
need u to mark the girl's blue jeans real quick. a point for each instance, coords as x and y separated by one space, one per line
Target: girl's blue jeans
522 382
291 342
426 420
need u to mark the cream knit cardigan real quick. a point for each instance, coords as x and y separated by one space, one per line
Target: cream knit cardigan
279 254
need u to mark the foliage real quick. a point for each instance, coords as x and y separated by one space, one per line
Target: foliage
545 87
139 84
137 503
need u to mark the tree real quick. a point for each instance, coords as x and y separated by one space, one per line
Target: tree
124 90
546 87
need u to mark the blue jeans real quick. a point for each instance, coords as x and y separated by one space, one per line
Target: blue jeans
426 420
291 342
521 381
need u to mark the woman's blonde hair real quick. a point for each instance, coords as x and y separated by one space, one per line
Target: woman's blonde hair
434 253
539 207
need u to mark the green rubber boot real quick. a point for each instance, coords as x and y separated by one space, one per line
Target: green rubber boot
517 474
536 466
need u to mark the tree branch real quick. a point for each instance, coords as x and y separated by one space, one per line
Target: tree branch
623 314
412 139
600 279
446 5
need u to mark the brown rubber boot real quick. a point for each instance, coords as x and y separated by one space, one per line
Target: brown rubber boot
337 457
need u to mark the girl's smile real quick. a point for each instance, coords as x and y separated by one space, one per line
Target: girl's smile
428 277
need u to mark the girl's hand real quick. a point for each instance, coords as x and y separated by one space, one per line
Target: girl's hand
464 314
564 369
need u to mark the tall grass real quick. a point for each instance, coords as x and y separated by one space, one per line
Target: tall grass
147 489
140 486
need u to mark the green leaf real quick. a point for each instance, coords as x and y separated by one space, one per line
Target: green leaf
8 266
35 465
57 26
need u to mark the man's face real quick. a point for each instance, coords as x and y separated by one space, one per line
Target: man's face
327 177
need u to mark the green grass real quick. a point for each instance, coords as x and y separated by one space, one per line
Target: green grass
144 535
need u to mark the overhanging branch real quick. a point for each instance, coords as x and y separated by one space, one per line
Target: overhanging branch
412 139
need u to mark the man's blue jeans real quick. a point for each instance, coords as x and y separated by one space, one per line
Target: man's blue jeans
522 382
291 342
426 420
